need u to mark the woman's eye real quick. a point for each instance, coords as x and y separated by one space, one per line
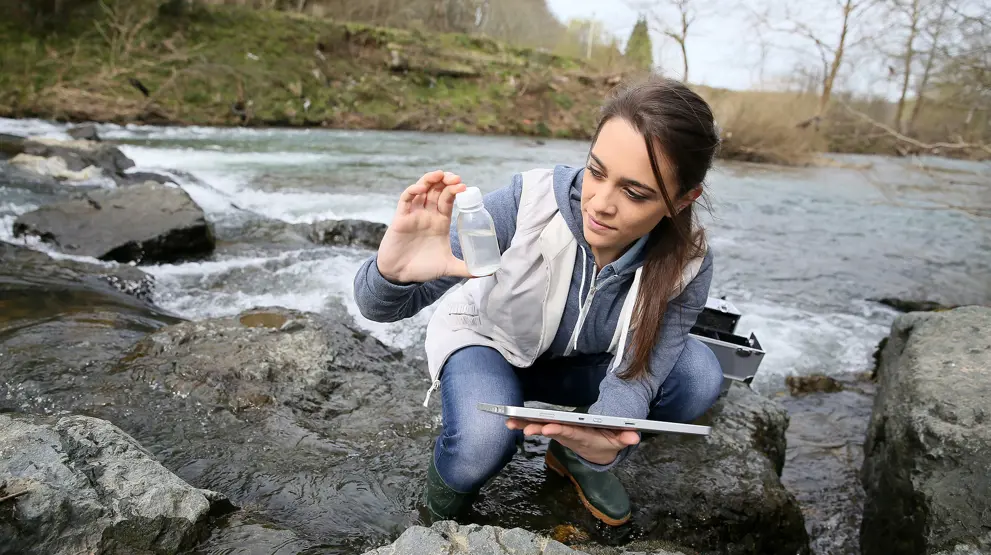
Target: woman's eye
635 196
595 173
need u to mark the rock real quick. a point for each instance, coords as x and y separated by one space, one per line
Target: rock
315 427
11 145
331 387
448 537
54 166
913 305
816 383
144 223
263 357
24 263
357 233
14 177
80 154
926 472
140 178
84 132
273 402
91 488
63 325
722 492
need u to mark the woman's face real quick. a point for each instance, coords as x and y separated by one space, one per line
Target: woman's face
621 199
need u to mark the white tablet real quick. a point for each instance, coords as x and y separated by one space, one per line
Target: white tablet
593 420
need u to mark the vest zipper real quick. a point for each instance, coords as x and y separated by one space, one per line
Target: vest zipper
583 313
433 387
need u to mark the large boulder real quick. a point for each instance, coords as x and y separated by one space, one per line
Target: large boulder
927 466
81 485
448 537
79 155
722 492
358 233
145 223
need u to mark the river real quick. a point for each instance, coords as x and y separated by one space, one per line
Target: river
800 251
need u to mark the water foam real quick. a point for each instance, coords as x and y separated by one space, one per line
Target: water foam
800 342
292 279
223 183
33 128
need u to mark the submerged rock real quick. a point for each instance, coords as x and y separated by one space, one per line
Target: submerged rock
914 305
927 468
358 233
816 383
18 261
144 223
90 488
11 145
84 132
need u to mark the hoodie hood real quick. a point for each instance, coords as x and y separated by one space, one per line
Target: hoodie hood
568 194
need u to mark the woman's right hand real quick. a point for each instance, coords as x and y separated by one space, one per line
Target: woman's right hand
417 245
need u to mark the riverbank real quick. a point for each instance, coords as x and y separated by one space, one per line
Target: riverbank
237 67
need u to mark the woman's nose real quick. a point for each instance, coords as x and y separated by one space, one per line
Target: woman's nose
603 202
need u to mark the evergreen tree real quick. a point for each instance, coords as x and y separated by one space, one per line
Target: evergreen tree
639 51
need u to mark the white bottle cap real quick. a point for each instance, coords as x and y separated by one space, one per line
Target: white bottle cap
469 198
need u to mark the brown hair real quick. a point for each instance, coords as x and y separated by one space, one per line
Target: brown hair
678 122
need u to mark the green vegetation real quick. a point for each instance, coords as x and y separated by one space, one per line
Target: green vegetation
229 65
639 51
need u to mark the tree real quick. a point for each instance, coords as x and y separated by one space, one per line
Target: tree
849 17
935 31
963 75
687 13
912 10
639 50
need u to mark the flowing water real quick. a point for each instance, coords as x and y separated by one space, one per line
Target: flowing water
800 251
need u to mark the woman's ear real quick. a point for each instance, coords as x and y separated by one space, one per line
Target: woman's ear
689 198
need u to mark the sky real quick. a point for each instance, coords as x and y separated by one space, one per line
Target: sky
723 48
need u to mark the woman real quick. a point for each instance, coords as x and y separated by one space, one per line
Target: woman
604 271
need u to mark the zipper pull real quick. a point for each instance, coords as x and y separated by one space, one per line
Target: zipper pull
433 387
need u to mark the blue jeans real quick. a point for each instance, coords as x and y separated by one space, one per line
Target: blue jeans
475 445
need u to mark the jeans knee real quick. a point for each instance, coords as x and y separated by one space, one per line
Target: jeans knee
702 379
469 454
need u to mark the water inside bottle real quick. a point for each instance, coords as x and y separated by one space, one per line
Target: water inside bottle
481 251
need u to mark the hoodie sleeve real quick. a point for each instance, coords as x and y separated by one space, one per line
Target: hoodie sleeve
633 398
381 300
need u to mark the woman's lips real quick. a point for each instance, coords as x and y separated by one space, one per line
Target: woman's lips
596 225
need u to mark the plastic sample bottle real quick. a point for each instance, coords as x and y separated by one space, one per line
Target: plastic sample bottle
476 232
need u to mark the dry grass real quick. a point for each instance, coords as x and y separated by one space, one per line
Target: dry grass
761 126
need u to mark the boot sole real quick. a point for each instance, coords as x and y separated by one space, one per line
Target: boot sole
560 470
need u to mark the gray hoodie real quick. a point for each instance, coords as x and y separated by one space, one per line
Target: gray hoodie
383 301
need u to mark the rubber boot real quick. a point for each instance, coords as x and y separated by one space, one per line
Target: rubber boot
443 502
601 492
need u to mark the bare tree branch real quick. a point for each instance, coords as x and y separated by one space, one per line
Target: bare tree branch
960 145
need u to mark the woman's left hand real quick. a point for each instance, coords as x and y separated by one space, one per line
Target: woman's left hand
596 445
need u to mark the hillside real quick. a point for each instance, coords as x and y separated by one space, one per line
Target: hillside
227 65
